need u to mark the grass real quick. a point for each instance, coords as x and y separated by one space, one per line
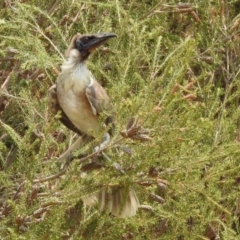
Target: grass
175 67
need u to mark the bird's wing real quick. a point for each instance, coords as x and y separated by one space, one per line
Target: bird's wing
99 101
97 97
55 108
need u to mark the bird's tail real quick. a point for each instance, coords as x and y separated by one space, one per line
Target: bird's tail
118 201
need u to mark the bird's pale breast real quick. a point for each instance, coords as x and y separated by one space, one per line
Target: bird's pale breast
73 101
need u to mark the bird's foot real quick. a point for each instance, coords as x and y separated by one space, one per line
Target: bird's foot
104 143
70 157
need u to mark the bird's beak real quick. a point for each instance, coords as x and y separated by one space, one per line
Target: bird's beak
96 40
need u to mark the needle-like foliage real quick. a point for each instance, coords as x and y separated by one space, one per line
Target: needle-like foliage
175 67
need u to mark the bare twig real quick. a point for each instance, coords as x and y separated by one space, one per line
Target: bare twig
7 59
4 88
51 9
38 29
53 6
149 13
59 174
73 21
179 8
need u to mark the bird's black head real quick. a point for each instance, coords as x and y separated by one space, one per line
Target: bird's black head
86 44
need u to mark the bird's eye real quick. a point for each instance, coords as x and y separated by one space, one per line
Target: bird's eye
85 40
82 42
79 44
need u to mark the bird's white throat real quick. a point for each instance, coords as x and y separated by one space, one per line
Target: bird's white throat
78 75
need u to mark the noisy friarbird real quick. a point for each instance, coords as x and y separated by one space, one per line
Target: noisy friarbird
80 100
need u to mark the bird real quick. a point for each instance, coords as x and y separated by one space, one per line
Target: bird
81 100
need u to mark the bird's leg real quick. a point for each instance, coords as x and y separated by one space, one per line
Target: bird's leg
104 143
66 156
